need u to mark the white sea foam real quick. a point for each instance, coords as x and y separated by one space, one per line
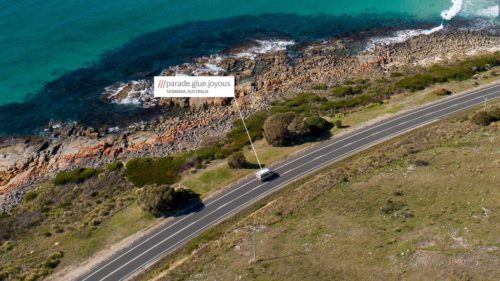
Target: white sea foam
132 92
264 46
141 92
400 36
489 12
211 65
451 12
468 8
471 9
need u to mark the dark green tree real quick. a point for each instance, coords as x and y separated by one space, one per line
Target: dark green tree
162 200
276 130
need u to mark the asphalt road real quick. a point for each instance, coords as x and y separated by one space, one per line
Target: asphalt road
131 260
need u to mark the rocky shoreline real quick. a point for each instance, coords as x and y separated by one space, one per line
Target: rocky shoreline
262 77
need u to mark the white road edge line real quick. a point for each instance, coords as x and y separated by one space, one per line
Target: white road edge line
289 181
153 260
407 114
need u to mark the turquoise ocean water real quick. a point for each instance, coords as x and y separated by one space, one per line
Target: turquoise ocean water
56 56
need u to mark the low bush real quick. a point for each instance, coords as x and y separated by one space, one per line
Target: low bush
53 260
316 124
163 200
289 128
481 118
338 124
303 103
343 91
30 196
115 166
237 138
485 118
420 163
163 170
442 92
458 72
320 87
494 113
237 160
396 74
77 175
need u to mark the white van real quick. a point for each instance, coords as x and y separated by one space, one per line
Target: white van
265 174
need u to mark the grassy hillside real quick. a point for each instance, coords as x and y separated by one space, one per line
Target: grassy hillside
422 207
86 210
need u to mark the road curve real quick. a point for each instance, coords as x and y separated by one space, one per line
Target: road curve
173 235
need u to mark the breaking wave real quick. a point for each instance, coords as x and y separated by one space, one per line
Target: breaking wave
141 92
400 36
472 8
451 12
489 12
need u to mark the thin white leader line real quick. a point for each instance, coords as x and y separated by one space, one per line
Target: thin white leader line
285 183
153 260
248 134
296 159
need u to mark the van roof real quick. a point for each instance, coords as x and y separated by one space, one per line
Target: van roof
263 171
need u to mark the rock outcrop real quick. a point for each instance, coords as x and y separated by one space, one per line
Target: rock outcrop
261 79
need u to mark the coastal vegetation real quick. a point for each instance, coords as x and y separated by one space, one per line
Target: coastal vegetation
458 71
115 166
163 200
77 175
147 170
401 210
65 219
85 209
289 128
237 160
486 117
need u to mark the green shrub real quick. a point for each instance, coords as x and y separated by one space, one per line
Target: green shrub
77 175
206 153
439 73
396 74
287 128
303 103
482 118
163 170
163 200
494 113
276 130
237 138
237 160
338 124
316 124
415 82
420 163
115 166
343 91
53 260
320 87
30 195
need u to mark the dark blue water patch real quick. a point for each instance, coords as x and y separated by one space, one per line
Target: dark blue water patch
75 96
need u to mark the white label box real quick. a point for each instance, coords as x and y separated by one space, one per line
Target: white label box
193 86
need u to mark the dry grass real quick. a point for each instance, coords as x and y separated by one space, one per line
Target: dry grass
411 100
76 220
218 175
380 215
